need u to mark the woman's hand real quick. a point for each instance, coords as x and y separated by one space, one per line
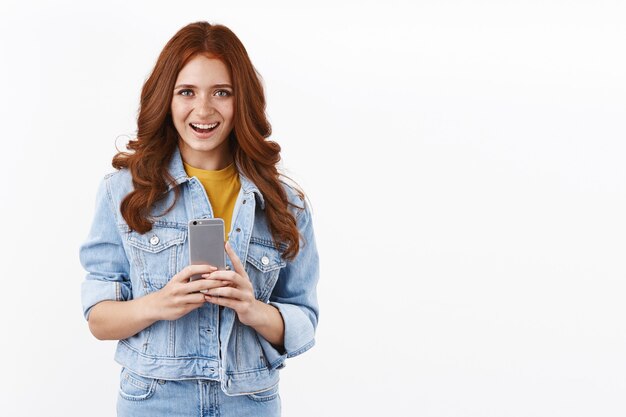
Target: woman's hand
116 320
180 296
233 289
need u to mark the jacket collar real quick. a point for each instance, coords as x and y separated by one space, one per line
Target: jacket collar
177 171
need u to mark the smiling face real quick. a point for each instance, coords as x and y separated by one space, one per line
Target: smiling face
203 109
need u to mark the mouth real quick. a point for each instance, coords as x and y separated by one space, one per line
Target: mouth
204 128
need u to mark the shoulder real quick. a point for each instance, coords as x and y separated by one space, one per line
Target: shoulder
112 190
119 177
296 198
295 195
118 184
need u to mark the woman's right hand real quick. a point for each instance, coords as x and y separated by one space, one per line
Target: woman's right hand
117 320
180 296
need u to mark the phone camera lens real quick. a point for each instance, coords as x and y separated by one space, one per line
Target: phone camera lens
195 222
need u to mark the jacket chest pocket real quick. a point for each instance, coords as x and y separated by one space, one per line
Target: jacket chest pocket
155 254
263 266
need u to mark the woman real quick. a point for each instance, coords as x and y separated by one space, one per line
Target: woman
214 344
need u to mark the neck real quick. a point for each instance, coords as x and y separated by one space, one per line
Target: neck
213 160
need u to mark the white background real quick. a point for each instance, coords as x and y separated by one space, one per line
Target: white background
465 161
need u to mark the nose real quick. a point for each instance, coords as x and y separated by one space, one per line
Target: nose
205 106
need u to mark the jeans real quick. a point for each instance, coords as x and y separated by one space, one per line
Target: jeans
140 396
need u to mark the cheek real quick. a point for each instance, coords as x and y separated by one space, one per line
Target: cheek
228 111
178 114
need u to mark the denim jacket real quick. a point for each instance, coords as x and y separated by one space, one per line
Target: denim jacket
209 342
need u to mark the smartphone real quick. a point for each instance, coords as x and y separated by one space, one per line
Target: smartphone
206 244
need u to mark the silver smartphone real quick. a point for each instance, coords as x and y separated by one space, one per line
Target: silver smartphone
206 244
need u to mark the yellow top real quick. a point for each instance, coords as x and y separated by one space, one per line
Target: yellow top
222 187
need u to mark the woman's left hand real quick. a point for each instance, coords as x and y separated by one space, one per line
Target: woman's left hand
237 292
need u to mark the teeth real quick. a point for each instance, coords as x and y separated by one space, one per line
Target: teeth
199 126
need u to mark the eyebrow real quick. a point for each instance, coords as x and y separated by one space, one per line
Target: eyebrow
193 86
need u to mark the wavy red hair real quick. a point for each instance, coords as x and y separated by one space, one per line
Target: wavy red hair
255 156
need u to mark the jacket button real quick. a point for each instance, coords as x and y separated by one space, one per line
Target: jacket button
154 240
265 260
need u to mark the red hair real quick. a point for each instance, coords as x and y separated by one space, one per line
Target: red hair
255 156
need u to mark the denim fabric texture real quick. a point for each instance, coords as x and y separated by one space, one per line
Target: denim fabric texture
209 343
149 397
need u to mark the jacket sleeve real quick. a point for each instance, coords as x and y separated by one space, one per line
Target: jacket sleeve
103 257
295 297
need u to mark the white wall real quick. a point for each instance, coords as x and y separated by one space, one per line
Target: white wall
465 161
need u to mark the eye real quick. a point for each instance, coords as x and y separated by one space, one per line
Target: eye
222 93
186 92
